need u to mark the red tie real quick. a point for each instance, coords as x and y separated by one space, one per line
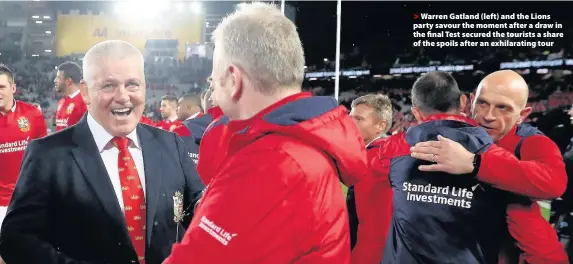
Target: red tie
133 197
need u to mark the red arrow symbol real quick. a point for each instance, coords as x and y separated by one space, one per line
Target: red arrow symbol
416 16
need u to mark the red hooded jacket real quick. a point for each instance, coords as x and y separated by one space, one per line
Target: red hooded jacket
540 173
276 198
542 166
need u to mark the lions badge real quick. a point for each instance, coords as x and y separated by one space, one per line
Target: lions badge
70 108
23 124
172 127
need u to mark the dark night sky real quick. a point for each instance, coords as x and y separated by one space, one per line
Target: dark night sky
381 28
385 28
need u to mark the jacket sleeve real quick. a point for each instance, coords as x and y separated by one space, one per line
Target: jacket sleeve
24 230
193 185
374 209
539 174
236 221
534 235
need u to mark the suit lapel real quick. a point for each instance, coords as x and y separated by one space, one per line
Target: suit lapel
91 164
153 173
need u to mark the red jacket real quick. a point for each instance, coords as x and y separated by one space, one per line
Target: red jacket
373 207
147 121
17 129
276 198
543 167
168 125
70 110
540 173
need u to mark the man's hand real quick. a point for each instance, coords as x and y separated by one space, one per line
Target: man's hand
449 156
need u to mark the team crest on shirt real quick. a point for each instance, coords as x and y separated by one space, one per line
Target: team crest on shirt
70 108
172 127
23 124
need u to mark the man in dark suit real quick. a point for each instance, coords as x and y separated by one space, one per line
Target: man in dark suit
104 190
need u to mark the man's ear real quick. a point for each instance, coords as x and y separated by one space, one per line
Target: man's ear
418 114
463 102
524 114
381 126
237 82
84 92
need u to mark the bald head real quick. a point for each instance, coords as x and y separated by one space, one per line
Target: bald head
507 83
500 103
109 49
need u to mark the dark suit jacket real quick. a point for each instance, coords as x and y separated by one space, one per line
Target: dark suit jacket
64 208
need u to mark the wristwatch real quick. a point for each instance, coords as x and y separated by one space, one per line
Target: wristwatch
476 163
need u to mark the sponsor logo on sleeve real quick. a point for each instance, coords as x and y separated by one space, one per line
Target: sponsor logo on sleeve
217 232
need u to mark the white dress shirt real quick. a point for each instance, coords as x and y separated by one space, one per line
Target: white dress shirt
109 155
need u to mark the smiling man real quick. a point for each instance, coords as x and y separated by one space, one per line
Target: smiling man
104 190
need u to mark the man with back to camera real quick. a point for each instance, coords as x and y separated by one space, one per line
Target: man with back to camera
168 111
372 113
435 216
525 162
71 107
104 190
285 158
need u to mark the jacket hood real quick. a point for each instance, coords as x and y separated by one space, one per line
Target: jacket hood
321 123
474 138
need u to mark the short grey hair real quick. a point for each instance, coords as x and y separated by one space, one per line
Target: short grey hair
264 43
381 104
110 48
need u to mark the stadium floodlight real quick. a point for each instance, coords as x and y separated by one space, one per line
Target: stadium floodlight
35 17
196 7
38 21
46 17
48 32
140 9
48 51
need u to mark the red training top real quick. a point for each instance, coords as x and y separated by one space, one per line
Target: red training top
17 128
70 110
